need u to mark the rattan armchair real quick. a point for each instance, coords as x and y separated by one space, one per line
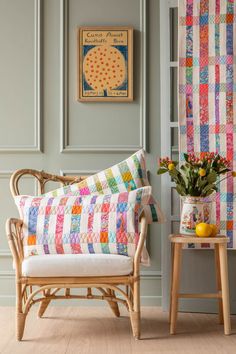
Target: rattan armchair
31 290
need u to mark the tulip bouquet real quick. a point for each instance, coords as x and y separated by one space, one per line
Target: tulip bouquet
197 177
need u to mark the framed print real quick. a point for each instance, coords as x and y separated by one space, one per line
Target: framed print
105 64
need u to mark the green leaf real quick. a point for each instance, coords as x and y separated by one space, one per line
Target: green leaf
224 170
208 188
173 173
180 190
186 157
215 162
185 169
201 182
195 192
209 192
161 171
184 175
212 177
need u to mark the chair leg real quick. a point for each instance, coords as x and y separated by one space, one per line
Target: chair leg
113 304
225 287
20 316
44 304
42 307
175 286
135 313
218 283
20 325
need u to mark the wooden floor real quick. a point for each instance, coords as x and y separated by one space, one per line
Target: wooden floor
95 330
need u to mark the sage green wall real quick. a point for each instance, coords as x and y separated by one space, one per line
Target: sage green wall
46 128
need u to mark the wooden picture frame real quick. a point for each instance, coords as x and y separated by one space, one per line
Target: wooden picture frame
105 64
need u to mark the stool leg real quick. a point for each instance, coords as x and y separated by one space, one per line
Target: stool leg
175 287
225 287
218 282
171 278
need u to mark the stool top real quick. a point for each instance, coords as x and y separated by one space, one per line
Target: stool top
180 238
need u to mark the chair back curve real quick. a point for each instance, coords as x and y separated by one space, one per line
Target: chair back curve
42 178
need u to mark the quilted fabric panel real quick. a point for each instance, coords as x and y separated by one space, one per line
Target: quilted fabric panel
207 94
127 175
107 223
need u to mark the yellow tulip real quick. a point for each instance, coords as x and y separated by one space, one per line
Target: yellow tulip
202 172
171 166
234 173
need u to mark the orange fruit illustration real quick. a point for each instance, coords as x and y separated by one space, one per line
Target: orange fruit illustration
108 53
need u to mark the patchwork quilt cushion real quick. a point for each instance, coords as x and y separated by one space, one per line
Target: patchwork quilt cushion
75 224
127 175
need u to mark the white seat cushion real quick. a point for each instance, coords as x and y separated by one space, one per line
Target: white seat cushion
76 265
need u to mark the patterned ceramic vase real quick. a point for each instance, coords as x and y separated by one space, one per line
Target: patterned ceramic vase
194 211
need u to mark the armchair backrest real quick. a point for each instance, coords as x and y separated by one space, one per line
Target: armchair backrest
42 178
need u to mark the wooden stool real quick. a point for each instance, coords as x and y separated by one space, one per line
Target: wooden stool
220 246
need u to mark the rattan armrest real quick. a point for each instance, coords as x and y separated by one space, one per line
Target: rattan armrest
13 231
142 238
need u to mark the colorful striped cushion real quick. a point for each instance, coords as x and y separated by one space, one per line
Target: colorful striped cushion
75 224
127 175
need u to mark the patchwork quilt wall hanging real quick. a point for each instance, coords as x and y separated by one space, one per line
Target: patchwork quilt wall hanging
207 92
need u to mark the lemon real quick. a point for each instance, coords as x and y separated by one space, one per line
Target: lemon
214 230
171 166
202 172
203 230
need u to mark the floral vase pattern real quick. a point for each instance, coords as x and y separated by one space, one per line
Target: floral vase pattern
194 211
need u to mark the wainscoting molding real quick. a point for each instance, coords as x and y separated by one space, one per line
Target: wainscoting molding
5 253
9 274
78 172
151 274
37 146
65 145
6 174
